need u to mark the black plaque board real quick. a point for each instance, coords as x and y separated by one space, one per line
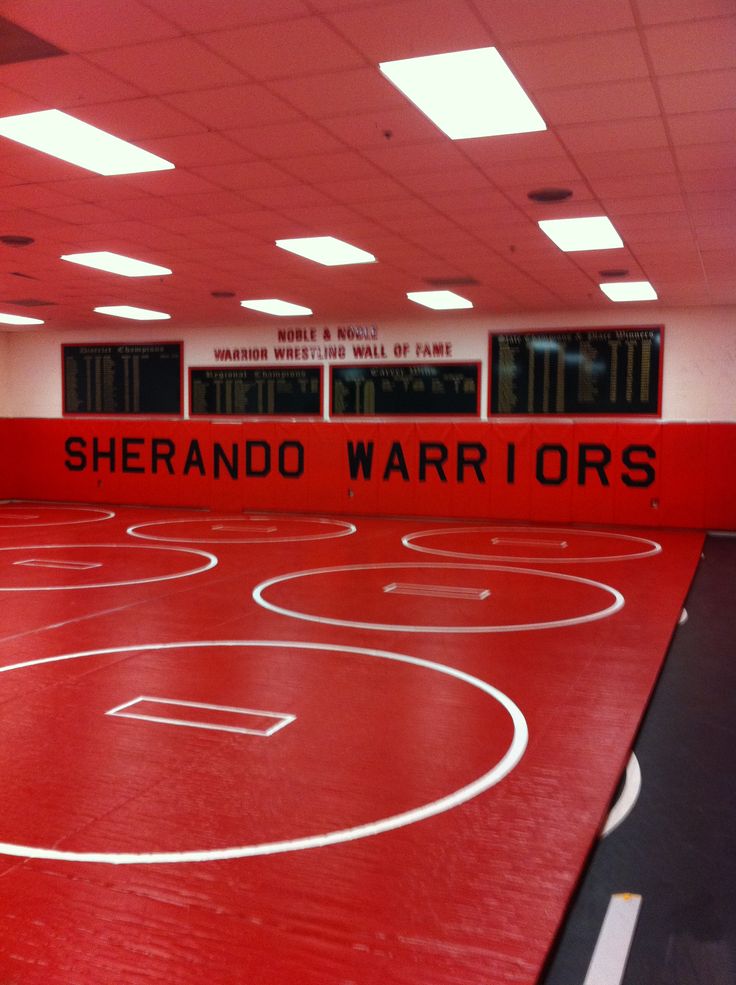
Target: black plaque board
613 371
406 390
253 392
131 378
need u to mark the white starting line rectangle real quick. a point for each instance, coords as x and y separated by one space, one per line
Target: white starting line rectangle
215 717
63 565
530 542
249 529
438 591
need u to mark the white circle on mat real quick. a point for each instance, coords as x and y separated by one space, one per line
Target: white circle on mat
34 515
627 799
345 591
530 537
491 776
270 525
204 558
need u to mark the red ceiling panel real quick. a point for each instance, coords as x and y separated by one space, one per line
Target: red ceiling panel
150 209
629 162
617 135
522 147
231 107
79 214
87 24
285 49
12 102
561 19
406 159
325 167
65 82
245 176
713 180
226 13
702 128
645 205
698 91
285 196
379 128
137 119
633 185
295 139
693 46
666 11
189 150
172 65
325 95
625 100
580 60
383 32
699 157
364 190
438 181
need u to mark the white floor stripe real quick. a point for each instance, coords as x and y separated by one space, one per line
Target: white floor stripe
608 964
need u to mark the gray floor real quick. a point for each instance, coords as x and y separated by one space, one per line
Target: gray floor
678 846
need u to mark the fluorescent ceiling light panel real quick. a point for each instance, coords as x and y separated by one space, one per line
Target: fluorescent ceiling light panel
592 233
69 139
631 290
327 250
466 93
115 263
128 311
274 306
439 300
19 320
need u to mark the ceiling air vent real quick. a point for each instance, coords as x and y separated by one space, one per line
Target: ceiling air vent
548 196
30 302
12 240
19 45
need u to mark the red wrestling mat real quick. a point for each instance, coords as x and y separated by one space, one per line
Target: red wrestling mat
270 749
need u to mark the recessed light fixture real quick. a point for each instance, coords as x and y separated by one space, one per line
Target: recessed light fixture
631 290
328 250
69 139
129 311
274 306
115 263
591 233
466 93
19 320
439 300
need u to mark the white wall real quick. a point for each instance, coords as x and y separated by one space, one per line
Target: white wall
699 381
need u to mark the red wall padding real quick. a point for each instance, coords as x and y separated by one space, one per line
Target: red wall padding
608 472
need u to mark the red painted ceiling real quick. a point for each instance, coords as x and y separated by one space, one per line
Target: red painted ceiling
280 124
